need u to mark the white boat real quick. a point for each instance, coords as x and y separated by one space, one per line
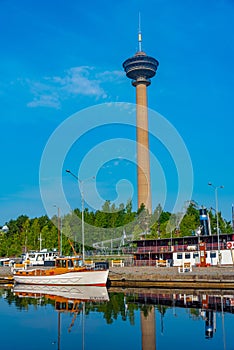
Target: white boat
6 262
67 271
39 258
82 293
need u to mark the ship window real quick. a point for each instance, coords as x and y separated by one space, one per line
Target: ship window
179 256
76 263
187 255
63 305
195 255
70 264
213 254
70 306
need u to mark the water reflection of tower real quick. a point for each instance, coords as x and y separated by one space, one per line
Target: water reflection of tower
140 68
148 330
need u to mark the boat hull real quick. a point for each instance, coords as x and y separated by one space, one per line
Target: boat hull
86 278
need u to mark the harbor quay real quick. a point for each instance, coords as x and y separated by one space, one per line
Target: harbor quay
213 277
170 277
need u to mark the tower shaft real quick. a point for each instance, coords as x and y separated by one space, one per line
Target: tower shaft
143 161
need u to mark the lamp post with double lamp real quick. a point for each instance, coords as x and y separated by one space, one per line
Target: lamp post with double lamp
217 216
82 207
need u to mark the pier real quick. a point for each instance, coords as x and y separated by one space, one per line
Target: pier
169 277
160 277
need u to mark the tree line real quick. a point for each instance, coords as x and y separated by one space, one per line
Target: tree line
25 234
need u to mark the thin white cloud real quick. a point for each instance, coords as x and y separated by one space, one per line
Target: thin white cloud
84 81
45 101
110 76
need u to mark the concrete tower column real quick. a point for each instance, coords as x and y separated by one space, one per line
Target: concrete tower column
143 161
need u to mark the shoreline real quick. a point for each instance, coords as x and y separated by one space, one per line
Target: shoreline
161 277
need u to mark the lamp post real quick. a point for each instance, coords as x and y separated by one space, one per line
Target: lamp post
217 216
59 232
82 208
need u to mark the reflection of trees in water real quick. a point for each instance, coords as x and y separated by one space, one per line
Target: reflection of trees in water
117 306
146 309
195 314
22 303
162 310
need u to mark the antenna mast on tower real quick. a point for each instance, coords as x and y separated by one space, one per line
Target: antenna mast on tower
139 34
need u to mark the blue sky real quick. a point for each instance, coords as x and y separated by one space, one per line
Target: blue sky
56 60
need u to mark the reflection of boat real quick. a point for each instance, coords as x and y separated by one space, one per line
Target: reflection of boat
67 299
67 271
82 293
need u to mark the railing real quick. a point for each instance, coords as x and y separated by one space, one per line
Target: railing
158 249
178 248
139 263
154 263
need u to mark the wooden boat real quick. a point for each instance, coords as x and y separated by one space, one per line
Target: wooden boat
67 271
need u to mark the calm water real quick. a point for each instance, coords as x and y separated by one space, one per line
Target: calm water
148 319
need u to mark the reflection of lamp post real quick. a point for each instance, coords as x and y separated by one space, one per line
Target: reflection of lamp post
217 216
82 207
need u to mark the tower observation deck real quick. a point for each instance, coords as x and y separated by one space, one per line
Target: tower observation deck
141 68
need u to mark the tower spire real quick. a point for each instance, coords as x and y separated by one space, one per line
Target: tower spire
139 33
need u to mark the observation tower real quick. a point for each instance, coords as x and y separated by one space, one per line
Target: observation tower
141 68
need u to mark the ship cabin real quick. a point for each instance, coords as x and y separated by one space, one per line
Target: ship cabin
68 262
175 251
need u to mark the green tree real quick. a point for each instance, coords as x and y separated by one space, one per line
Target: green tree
25 234
33 240
190 221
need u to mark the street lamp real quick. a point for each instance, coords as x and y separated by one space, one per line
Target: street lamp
217 216
82 207
59 232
